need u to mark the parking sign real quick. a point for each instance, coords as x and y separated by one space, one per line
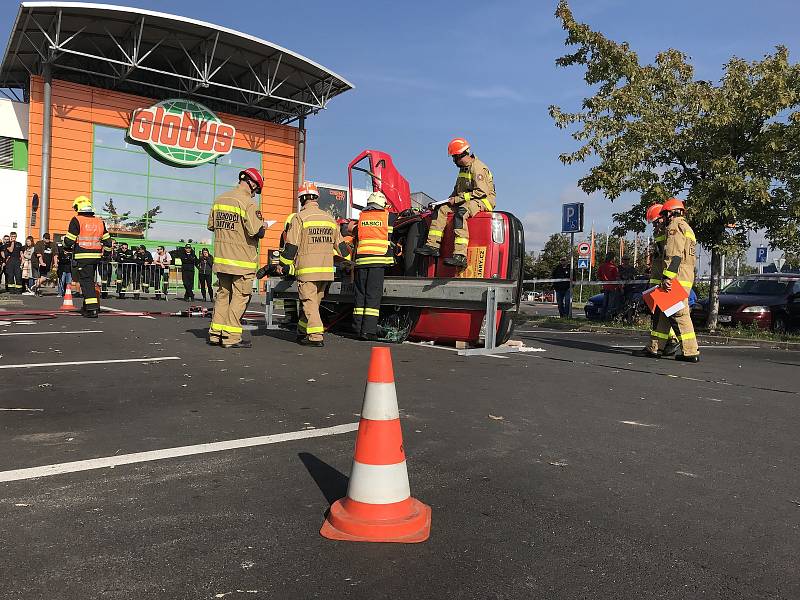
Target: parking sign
572 217
761 254
583 263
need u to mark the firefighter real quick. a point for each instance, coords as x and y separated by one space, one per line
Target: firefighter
374 252
87 235
12 261
473 193
654 216
238 226
105 269
311 242
679 263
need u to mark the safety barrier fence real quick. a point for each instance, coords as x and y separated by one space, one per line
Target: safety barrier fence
136 280
546 294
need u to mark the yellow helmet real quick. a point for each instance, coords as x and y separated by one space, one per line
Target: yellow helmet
83 204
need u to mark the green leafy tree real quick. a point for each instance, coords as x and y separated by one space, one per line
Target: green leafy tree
731 148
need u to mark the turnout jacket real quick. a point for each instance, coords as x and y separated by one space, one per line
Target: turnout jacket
312 239
679 253
475 182
86 236
237 225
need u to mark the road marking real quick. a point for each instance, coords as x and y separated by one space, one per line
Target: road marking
634 423
139 457
25 409
51 332
90 362
426 345
712 346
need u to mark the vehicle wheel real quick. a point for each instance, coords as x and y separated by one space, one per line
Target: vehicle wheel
779 324
506 327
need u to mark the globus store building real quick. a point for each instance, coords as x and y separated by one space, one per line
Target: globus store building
152 116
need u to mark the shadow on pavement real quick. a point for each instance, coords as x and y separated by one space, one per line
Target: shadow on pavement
331 482
576 344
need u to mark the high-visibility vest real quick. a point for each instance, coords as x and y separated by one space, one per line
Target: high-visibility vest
91 233
373 246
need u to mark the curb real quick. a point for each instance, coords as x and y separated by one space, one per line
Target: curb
701 337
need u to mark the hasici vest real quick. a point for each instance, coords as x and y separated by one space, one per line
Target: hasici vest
374 248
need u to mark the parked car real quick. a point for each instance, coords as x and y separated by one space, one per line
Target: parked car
631 305
769 301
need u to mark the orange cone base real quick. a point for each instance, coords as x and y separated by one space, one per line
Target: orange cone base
410 528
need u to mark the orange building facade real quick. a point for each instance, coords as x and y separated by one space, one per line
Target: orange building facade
143 198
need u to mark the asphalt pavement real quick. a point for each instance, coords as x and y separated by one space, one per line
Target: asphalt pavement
577 471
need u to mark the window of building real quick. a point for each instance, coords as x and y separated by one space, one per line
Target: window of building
143 198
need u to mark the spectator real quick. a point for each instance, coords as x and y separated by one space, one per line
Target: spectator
608 272
45 255
3 258
204 267
188 262
161 262
627 272
64 269
562 288
28 275
142 259
12 258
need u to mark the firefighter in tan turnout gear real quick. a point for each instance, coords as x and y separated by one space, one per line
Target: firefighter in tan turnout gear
679 263
311 242
237 225
473 193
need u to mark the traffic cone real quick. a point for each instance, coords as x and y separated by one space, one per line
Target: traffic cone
379 506
68 304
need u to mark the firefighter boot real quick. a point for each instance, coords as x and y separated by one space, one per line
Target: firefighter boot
457 260
427 251
671 348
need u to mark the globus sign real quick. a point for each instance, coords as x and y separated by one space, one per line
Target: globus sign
182 132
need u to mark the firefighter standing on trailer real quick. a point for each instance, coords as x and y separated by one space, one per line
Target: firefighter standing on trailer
473 193
679 263
238 226
374 252
86 236
311 242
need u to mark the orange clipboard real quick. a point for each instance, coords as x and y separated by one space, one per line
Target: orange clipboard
668 302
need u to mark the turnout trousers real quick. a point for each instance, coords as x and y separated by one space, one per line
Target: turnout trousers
13 270
85 270
681 322
367 299
309 323
233 295
461 212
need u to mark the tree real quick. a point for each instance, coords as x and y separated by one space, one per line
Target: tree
733 148
554 248
116 218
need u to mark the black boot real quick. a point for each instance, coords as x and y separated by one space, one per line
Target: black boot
671 348
427 251
694 358
457 260
645 352
304 341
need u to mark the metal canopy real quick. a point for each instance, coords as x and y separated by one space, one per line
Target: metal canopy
158 55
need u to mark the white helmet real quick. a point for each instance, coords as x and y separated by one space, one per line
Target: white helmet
377 198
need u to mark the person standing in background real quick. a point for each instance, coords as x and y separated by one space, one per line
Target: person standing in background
562 288
12 256
188 264
64 270
608 272
28 276
45 254
161 262
205 266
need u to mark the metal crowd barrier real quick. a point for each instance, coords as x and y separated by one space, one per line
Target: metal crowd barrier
134 280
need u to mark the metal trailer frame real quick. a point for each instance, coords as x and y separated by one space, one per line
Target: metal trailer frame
421 292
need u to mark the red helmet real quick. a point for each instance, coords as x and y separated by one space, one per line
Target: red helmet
653 212
457 146
672 204
253 175
308 188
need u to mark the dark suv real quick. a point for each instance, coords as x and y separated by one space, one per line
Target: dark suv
770 301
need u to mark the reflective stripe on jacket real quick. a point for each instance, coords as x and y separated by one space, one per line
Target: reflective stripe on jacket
373 247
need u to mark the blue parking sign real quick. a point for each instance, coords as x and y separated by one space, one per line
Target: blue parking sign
583 263
761 254
572 217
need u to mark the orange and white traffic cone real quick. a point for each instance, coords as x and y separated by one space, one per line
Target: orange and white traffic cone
379 506
68 304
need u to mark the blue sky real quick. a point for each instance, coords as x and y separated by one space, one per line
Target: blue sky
428 71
